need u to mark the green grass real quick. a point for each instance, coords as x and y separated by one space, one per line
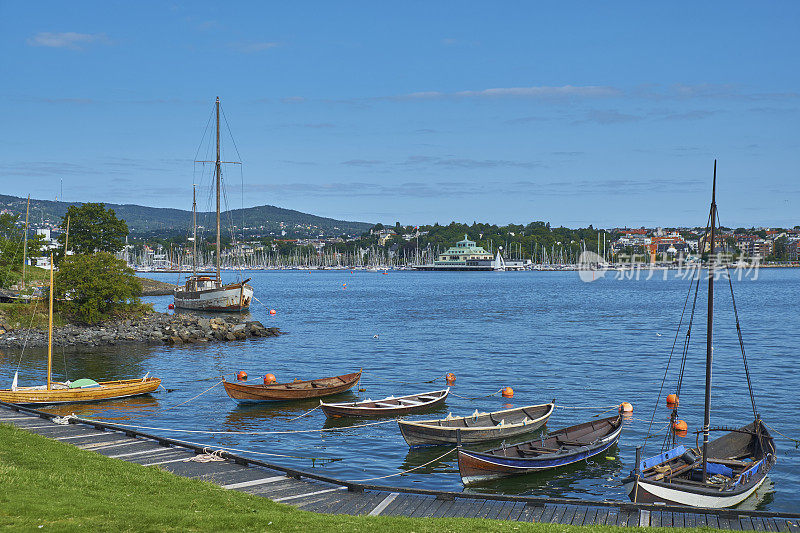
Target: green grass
27 315
50 485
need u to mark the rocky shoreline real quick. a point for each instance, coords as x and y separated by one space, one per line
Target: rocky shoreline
153 328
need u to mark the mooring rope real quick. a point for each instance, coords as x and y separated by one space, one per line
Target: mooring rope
209 432
409 470
304 414
207 456
219 451
796 441
476 397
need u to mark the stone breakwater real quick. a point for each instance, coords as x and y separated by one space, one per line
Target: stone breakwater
153 328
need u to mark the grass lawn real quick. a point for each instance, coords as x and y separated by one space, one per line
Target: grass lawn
50 485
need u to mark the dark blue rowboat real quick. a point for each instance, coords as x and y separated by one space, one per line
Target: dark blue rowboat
559 448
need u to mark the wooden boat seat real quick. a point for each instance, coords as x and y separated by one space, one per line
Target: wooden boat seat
387 405
571 442
536 450
734 463
427 398
410 402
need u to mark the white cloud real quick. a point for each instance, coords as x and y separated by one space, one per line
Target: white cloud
543 91
71 40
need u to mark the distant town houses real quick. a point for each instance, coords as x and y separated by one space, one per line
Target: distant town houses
670 244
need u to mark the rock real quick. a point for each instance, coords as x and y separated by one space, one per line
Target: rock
230 337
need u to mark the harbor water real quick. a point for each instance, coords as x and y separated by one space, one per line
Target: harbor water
548 335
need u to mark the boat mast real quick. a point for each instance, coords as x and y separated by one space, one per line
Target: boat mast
217 170
710 326
50 329
25 245
194 229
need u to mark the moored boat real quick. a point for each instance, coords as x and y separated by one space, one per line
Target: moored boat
295 390
717 473
81 390
207 292
391 406
478 427
556 449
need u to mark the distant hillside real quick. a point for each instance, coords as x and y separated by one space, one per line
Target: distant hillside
163 222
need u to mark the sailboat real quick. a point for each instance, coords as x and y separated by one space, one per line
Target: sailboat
722 472
81 390
204 292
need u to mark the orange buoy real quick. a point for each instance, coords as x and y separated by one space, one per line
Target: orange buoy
269 378
680 425
681 433
241 376
450 378
672 400
625 407
508 392
272 311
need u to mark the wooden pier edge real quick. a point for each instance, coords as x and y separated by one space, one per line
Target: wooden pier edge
644 511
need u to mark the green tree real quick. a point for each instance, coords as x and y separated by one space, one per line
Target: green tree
93 228
92 288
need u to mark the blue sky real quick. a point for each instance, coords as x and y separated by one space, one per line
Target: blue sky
577 113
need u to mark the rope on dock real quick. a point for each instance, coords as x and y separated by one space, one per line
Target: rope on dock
409 470
220 451
207 456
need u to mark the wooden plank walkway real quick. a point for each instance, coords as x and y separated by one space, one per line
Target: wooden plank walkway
321 494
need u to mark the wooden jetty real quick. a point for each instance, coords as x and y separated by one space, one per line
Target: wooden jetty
323 494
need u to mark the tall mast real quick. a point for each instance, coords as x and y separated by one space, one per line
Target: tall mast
710 326
217 170
25 245
50 329
194 229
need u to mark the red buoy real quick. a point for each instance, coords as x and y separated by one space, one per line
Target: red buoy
241 376
672 400
272 311
171 306
269 378
508 392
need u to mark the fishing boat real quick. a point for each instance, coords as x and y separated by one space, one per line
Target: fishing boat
81 390
295 390
206 291
478 427
391 406
722 472
556 449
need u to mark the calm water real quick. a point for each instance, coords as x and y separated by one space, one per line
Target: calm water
546 334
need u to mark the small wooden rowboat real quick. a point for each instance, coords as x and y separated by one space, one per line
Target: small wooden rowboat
296 390
556 449
65 393
477 427
391 406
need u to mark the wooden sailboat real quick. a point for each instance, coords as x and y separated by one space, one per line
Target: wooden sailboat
722 472
204 292
81 390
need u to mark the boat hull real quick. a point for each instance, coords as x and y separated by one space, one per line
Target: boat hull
234 297
432 433
360 409
298 390
108 390
476 467
645 489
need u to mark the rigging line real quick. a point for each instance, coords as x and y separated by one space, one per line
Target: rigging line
741 340
796 441
409 470
28 336
239 157
669 361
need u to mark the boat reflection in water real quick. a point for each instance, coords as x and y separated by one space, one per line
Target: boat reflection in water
121 410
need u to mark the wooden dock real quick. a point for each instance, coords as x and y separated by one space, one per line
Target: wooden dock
322 494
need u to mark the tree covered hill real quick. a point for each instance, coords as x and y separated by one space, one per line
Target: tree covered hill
146 221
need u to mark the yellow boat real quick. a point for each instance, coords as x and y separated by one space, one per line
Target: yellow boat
81 390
